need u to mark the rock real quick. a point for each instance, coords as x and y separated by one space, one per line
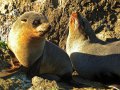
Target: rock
15 82
102 15
43 84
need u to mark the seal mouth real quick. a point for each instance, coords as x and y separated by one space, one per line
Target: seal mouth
45 31
43 28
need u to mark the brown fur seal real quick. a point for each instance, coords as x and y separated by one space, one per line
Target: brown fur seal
92 60
27 41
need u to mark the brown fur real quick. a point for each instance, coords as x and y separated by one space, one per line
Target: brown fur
23 35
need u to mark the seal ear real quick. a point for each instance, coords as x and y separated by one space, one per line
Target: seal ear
23 20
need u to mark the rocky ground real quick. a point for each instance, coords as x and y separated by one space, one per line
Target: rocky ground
103 15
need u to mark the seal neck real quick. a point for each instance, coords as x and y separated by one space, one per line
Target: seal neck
77 34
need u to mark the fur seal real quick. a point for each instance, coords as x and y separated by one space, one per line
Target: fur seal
27 41
91 59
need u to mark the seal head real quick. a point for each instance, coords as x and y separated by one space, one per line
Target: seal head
27 31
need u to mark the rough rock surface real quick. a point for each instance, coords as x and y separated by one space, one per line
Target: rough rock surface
103 15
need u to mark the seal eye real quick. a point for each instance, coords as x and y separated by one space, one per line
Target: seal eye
36 23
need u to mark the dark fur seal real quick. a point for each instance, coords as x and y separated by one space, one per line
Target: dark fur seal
92 59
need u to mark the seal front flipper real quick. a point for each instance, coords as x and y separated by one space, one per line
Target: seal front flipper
15 67
9 72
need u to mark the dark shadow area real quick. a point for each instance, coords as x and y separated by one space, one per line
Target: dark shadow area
112 40
108 66
101 11
55 3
